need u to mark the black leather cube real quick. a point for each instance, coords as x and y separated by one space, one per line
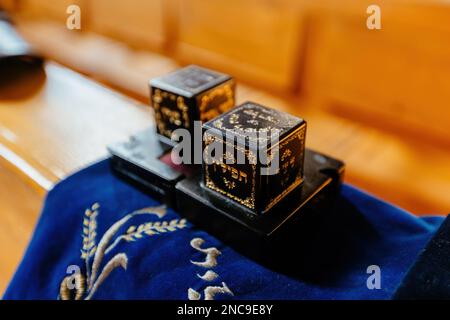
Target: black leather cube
262 159
190 94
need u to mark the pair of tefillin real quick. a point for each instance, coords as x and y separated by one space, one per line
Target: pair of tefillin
255 187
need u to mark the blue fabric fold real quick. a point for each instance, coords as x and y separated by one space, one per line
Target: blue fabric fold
155 254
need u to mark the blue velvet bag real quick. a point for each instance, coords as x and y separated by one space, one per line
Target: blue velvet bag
100 238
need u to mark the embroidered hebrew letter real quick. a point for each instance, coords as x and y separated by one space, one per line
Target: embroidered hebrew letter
210 292
211 254
193 295
208 276
210 262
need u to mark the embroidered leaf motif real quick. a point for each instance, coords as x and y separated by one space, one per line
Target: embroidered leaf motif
89 231
152 228
104 247
131 229
91 253
148 229
92 281
160 212
119 260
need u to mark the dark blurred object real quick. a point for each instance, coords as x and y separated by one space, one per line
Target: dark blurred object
429 277
13 46
139 161
21 71
20 77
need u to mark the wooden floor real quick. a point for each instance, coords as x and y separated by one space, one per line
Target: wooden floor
19 209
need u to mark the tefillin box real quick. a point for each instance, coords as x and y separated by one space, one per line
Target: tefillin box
190 94
254 155
179 98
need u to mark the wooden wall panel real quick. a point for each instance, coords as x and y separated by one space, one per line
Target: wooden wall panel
258 41
140 23
10 5
53 9
397 76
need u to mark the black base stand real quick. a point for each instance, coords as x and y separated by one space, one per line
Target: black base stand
288 226
139 161
263 237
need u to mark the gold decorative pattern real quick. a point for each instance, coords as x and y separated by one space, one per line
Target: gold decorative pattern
184 111
286 153
218 124
234 118
249 201
229 184
157 99
297 134
226 91
275 200
229 157
244 132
